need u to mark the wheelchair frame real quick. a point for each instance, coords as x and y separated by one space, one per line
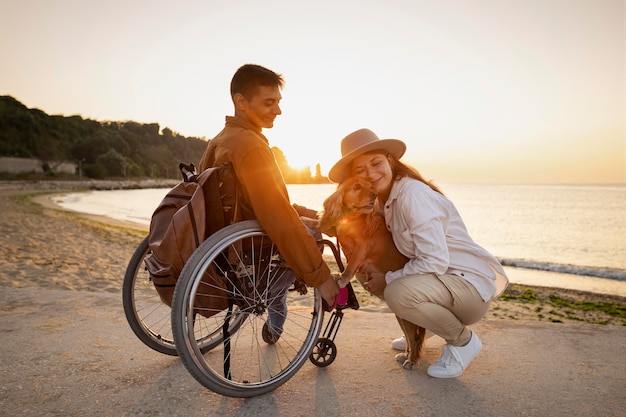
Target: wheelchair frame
227 349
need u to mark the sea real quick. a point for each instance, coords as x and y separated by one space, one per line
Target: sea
564 236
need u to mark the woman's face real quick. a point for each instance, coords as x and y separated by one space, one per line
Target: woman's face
376 168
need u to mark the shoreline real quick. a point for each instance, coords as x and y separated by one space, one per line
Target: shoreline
96 249
597 278
72 185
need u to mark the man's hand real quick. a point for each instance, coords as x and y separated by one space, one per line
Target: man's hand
328 290
310 222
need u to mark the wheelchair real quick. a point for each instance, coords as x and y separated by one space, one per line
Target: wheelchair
240 321
148 317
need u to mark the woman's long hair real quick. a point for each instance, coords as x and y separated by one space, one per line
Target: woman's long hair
400 169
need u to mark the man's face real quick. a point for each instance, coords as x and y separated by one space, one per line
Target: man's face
263 107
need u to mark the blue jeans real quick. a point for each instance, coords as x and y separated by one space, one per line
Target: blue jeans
281 280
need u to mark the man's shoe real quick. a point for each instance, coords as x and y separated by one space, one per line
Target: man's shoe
455 359
399 344
269 337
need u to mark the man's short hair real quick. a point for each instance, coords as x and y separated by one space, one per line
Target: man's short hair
249 77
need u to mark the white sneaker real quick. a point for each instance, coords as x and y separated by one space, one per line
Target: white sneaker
455 359
399 344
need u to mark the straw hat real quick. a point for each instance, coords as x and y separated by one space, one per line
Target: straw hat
360 142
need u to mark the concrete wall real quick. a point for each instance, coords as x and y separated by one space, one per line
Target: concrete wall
18 165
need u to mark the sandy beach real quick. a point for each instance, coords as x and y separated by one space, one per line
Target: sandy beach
46 247
46 252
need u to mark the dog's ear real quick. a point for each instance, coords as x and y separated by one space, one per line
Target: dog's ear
333 211
323 226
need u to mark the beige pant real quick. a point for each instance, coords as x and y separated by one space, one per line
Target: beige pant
443 304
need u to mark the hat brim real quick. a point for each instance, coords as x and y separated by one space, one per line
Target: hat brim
341 170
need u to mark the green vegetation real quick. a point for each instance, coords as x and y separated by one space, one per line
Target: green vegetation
570 305
612 309
108 149
527 296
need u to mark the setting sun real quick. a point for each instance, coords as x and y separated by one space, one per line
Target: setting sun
477 95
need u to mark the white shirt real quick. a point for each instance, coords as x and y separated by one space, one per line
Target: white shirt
427 229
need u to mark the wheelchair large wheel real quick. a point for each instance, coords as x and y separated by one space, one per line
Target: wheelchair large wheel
150 318
238 268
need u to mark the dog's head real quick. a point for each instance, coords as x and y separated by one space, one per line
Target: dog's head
352 197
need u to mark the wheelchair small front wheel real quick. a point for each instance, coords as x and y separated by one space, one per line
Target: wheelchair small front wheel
324 352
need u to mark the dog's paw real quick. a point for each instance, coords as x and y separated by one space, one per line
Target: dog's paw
404 361
343 282
401 357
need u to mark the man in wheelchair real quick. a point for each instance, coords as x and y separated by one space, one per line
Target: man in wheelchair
261 190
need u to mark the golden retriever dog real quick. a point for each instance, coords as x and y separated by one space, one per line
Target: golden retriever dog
351 213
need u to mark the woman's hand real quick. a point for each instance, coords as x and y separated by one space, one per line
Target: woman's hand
375 283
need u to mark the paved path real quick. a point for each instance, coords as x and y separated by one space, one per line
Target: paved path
71 353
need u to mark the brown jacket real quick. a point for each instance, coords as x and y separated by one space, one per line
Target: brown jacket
263 196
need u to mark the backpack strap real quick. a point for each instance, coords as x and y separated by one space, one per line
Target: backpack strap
188 171
228 191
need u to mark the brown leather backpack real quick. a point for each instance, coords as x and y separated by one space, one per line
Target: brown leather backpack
190 213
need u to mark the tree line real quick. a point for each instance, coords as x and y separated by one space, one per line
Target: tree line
108 149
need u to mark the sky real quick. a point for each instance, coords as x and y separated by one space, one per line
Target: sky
481 91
